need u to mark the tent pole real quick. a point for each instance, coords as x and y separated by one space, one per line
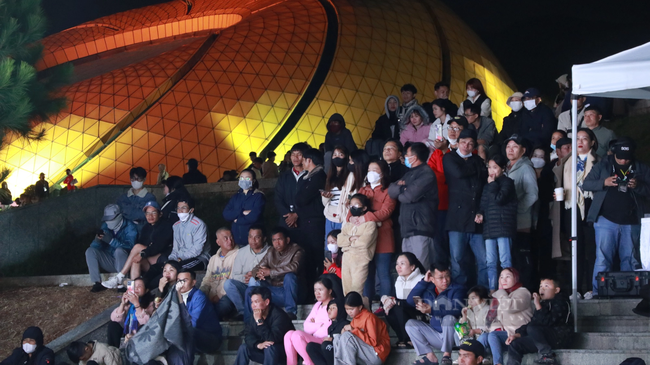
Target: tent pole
574 210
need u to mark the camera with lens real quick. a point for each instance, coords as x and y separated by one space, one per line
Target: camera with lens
622 184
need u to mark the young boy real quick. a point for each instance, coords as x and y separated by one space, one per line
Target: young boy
102 354
549 328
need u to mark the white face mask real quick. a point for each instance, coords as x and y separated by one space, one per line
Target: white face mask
332 247
29 348
538 163
530 104
471 93
183 217
516 105
373 177
452 141
137 184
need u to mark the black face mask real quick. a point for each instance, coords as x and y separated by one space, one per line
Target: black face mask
338 161
356 211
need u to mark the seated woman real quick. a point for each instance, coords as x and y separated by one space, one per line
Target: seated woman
32 351
245 208
441 124
174 188
398 311
133 312
416 127
323 353
365 339
155 243
167 281
315 326
511 307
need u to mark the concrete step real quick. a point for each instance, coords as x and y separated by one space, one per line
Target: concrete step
621 324
620 341
607 307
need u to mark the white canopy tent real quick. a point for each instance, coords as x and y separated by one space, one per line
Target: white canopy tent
623 75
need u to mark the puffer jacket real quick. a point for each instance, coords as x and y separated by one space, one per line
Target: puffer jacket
465 179
418 199
253 200
409 132
523 174
499 208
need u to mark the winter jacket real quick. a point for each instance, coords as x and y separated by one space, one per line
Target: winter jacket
555 313
194 177
465 179
413 135
204 317
397 171
42 189
381 211
476 317
435 162
568 190
511 125
499 208
41 356
482 100
404 285
104 354
309 204
402 110
603 136
275 326
514 309
523 174
218 271
321 323
281 263
338 213
124 238
285 194
170 202
372 331
595 182
131 204
387 126
564 121
538 125
245 261
486 131
364 246
419 202
253 200
450 107
445 128
142 314
190 240
555 210
343 138
448 303
158 238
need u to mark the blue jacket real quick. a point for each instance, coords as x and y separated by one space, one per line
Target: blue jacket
253 201
448 303
131 204
124 238
202 312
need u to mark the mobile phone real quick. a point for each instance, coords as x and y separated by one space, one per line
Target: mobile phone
99 232
129 286
417 300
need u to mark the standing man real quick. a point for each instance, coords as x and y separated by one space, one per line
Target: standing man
417 193
484 127
465 174
193 175
593 118
442 93
42 187
285 191
538 122
269 168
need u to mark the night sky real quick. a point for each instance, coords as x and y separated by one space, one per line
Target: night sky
536 41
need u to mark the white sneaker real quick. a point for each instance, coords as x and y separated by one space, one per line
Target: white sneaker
113 282
589 295
455 362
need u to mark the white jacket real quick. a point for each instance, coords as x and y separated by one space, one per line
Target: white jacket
403 286
445 128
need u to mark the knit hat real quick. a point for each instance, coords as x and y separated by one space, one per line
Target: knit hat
35 334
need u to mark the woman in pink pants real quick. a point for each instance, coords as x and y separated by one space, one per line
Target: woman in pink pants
315 326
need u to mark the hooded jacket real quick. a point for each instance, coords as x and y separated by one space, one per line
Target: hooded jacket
253 200
131 204
124 238
477 318
343 138
387 126
465 179
363 248
409 132
499 208
418 199
190 240
403 286
41 356
372 331
523 174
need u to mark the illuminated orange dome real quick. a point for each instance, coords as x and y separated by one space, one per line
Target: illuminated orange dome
217 79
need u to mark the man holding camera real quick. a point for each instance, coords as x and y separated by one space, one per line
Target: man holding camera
620 187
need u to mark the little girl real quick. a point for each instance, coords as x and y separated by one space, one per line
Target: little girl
476 315
498 213
357 241
323 353
333 266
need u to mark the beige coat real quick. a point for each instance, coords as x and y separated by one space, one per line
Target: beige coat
554 213
104 355
219 269
514 309
338 213
476 318
591 161
356 255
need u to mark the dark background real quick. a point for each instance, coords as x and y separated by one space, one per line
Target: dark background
536 41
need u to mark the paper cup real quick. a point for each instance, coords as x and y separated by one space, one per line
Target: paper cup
559 194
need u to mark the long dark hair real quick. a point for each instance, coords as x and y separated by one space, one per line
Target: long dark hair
334 177
413 260
385 172
593 138
256 184
361 159
477 85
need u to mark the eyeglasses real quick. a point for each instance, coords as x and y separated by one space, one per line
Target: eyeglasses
455 129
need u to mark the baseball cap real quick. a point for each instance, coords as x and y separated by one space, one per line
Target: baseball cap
531 93
562 141
474 347
624 150
110 212
460 120
151 203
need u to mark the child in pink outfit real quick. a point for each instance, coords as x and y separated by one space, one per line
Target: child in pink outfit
315 326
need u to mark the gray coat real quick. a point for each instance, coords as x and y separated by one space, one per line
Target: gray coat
418 202
523 174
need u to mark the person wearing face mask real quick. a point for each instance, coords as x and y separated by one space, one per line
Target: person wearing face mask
380 210
132 202
245 208
338 189
358 242
32 351
442 90
476 96
338 134
511 123
174 189
557 135
111 246
191 246
564 120
538 120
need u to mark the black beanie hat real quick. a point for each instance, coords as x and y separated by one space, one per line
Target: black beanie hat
34 333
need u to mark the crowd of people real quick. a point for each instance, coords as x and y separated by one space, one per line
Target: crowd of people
471 219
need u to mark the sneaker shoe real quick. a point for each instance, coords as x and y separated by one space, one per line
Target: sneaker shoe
97 287
292 316
380 312
589 295
446 360
546 359
487 361
113 282
578 294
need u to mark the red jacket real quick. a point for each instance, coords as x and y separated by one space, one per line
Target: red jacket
435 162
381 210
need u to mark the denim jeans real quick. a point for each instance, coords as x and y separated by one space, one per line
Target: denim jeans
235 290
329 227
610 239
380 265
503 244
458 242
285 295
483 339
497 340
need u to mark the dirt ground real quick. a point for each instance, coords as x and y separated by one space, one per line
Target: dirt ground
55 310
